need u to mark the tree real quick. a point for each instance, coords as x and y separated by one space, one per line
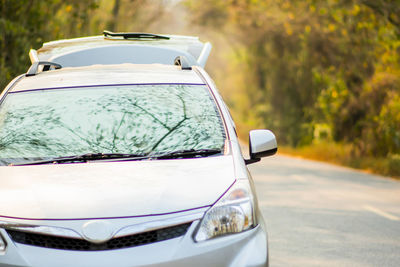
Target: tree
312 65
26 24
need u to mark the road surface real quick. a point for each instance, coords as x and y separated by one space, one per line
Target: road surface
319 214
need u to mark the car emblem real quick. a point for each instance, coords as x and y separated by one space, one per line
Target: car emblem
97 231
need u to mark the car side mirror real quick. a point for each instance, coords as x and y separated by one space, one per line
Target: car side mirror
262 143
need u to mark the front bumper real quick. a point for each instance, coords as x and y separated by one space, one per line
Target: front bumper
244 249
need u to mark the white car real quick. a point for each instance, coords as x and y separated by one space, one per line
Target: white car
119 151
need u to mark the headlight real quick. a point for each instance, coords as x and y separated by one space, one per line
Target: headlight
2 244
233 213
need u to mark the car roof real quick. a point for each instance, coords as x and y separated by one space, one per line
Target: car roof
119 74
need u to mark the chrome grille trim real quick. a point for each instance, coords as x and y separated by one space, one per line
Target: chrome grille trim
41 229
124 231
157 224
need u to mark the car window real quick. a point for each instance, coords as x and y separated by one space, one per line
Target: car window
109 119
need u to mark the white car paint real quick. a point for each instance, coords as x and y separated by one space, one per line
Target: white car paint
108 74
262 140
113 189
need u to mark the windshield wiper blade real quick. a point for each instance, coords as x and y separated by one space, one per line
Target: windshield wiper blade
135 35
187 153
84 158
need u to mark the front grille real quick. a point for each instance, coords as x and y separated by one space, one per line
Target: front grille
48 241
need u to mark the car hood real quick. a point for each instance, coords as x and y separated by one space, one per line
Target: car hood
113 189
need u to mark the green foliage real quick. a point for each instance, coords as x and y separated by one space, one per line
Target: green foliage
394 165
314 70
26 24
343 154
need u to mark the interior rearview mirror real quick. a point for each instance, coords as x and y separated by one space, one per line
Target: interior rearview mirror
262 143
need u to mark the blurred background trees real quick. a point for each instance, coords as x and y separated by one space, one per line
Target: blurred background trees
28 23
312 71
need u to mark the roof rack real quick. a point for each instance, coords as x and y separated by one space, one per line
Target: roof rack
33 56
134 35
183 62
46 66
205 52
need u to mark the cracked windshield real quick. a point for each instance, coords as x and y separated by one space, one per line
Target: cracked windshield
134 119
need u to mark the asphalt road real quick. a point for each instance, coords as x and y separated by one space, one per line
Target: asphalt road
319 214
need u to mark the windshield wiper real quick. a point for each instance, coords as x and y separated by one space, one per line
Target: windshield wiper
187 153
135 35
85 158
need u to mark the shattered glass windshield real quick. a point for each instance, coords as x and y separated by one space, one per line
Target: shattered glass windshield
134 119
